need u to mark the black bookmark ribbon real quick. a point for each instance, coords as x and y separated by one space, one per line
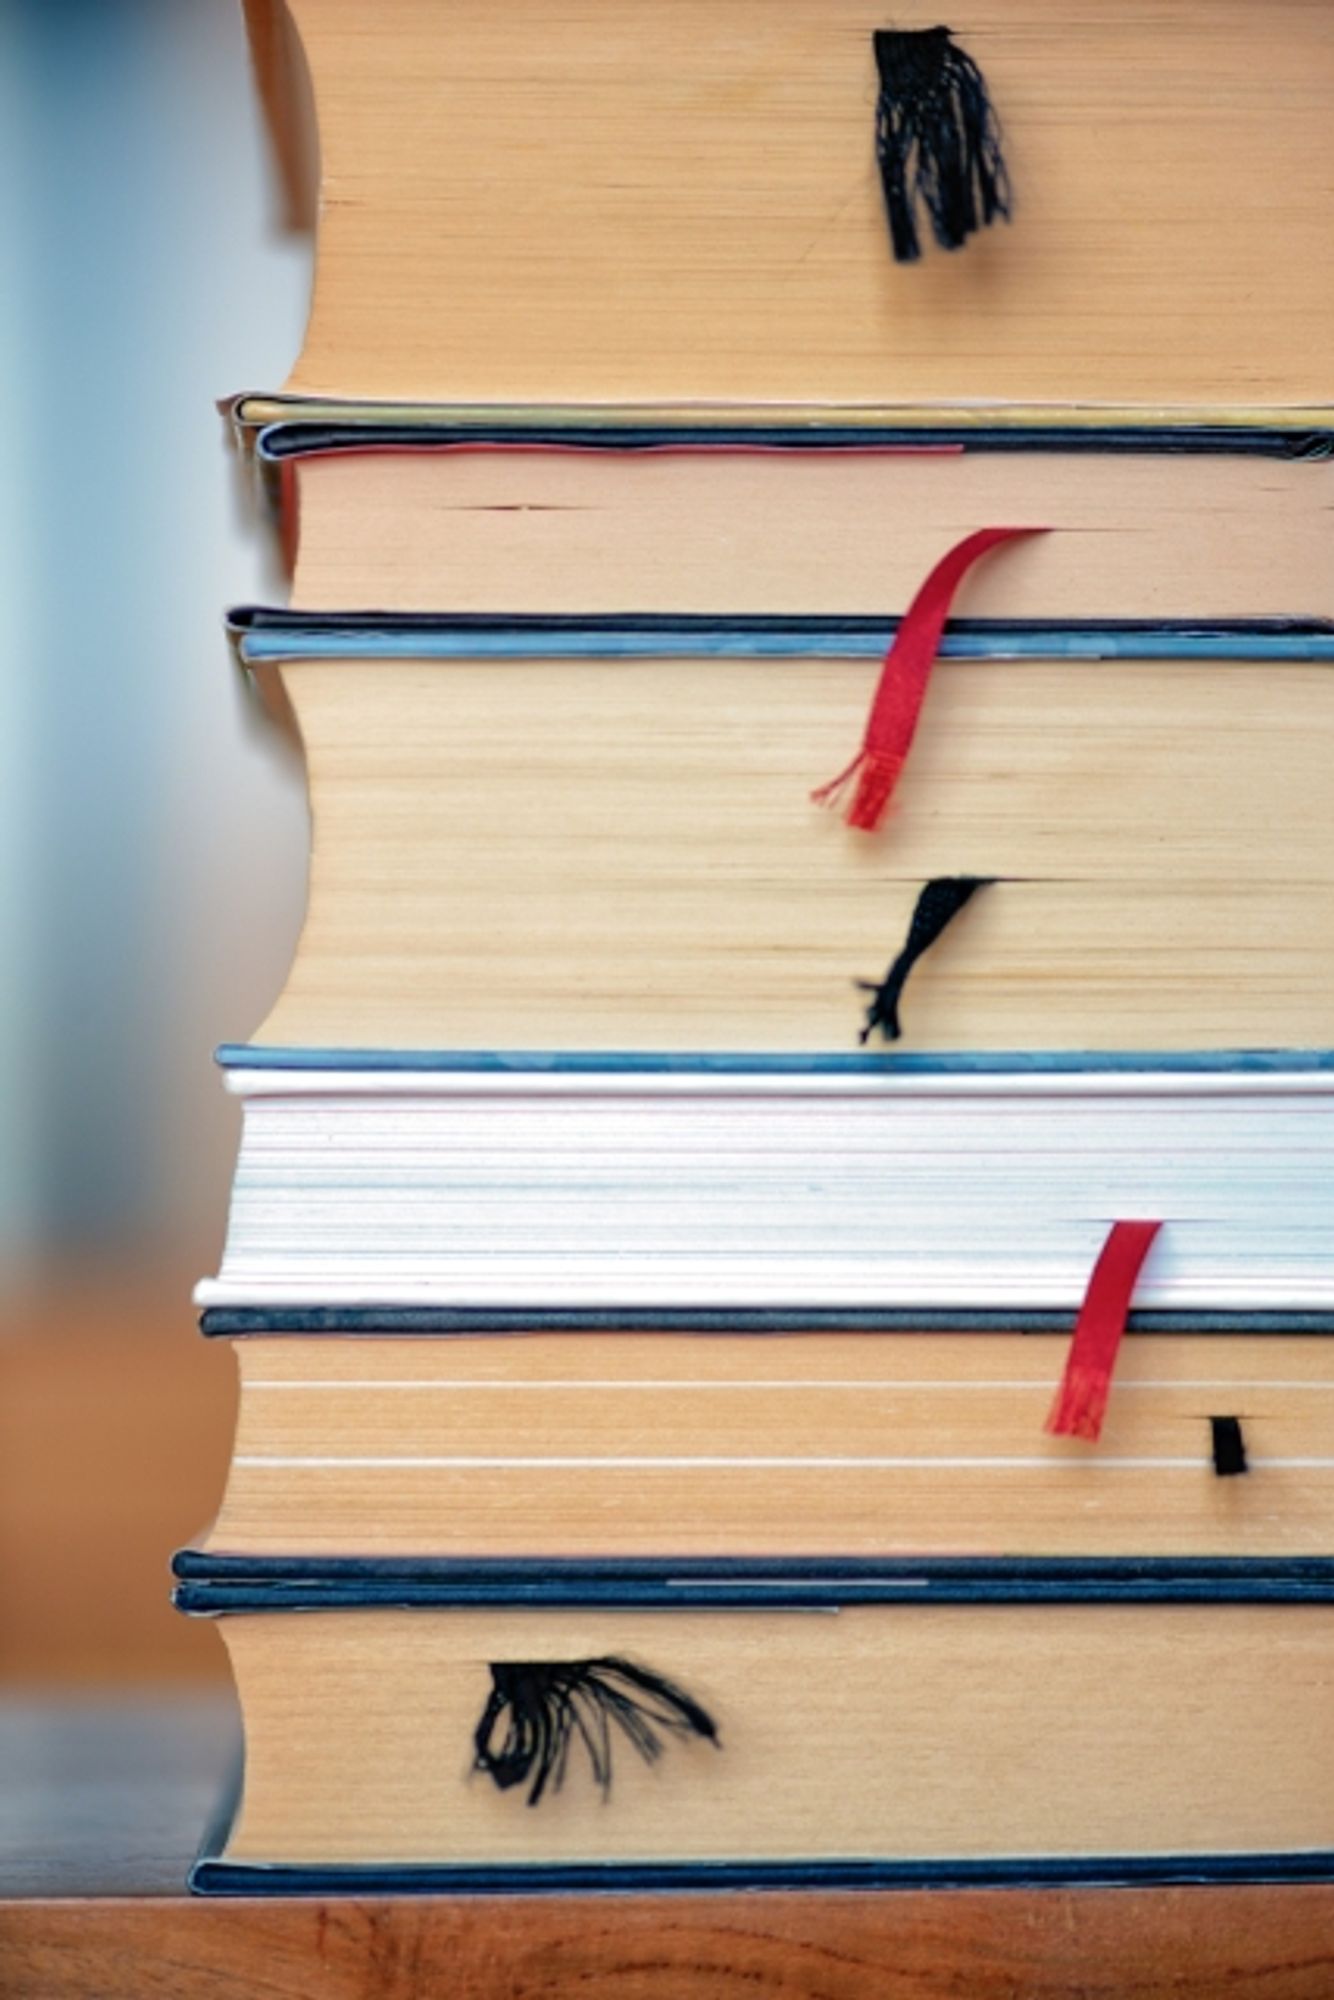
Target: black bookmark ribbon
937 140
1229 1447
940 901
537 1708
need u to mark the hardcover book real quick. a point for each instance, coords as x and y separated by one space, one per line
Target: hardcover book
1163 524
526 1183
404 1737
603 202
601 836
617 1443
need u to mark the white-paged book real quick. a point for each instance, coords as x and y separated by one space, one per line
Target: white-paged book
970 1186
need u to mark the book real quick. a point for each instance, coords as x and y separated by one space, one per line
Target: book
602 203
616 1444
531 521
434 1742
566 834
541 1182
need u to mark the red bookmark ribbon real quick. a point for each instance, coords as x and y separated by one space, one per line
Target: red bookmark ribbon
897 704
1081 1400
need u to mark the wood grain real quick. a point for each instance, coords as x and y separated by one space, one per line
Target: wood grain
1217 1944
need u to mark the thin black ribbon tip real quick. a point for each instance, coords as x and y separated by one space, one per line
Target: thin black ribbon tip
940 901
1229 1447
537 1708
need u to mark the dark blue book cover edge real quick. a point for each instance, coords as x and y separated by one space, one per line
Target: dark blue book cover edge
215 1584
982 1063
241 1322
212 1876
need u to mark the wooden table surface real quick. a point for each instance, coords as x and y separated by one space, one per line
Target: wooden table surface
101 1806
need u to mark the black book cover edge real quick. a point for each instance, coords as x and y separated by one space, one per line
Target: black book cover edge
304 438
244 618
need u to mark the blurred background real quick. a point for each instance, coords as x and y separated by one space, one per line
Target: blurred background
152 831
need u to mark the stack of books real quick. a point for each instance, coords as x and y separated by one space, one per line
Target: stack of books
812 628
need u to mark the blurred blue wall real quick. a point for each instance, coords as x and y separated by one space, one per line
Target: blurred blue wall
152 838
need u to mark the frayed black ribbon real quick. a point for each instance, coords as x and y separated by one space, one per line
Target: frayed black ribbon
544 1705
941 900
937 140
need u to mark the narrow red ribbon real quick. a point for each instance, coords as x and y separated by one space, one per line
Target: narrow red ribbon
1081 1400
892 722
